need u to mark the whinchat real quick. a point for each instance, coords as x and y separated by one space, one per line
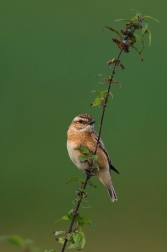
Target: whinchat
81 133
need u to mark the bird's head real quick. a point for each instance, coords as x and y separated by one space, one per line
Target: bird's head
83 123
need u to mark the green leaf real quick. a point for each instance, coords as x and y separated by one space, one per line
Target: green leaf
137 11
134 19
111 95
101 96
122 20
86 220
98 92
144 26
97 166
138 36
83 150
152 18
91 184
78 240
126 19
72 179
76 237
83 240
82 190
149 36
97 102
66 217
83 158
16 240
101 93
78 198
115 31
94 158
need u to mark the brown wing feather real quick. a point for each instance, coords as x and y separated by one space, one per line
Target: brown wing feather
101 146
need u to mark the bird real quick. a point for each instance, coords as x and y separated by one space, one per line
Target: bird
81 133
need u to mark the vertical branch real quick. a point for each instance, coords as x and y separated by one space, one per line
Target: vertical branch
88 175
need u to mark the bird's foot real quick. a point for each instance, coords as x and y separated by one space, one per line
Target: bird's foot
90 172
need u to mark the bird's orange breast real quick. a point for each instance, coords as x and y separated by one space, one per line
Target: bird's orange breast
87 140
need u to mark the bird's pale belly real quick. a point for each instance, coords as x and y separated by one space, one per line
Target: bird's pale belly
75 156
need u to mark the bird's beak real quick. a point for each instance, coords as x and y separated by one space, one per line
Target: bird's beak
92 122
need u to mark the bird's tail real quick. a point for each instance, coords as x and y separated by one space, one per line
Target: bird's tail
104 177
112 192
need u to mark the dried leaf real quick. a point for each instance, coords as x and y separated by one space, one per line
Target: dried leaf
60 240
59 232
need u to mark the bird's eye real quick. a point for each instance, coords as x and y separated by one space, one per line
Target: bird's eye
80 121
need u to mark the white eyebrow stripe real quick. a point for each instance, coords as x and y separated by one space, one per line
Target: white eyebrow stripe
76 119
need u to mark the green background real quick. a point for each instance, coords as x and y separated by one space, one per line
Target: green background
49 55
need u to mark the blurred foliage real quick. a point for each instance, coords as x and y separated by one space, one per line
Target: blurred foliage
26 245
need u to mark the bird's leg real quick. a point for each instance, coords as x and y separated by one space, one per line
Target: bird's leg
89 173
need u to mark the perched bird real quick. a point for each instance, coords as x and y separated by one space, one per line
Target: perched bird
81 133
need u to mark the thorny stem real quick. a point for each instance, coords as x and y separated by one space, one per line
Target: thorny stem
105 101
75 212
88 175
108 92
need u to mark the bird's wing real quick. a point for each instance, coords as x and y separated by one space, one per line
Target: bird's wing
101 146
